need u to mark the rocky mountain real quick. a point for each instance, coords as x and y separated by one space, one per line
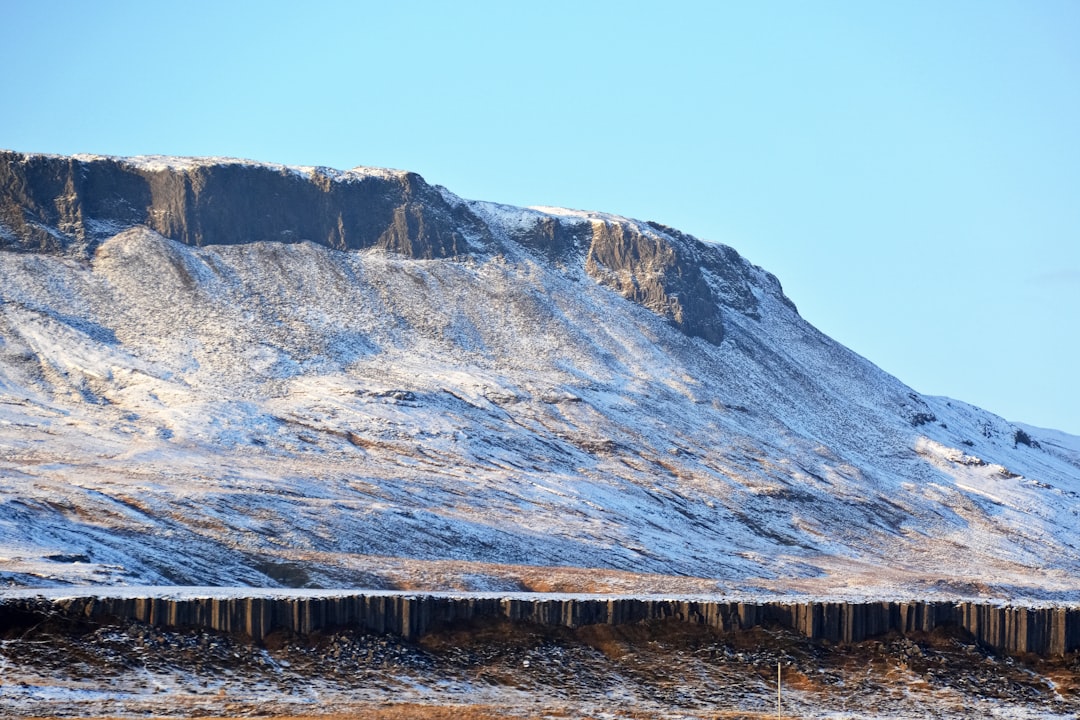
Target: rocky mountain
219 372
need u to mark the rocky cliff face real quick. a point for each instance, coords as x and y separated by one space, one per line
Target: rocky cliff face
61 204
72 204
1046 631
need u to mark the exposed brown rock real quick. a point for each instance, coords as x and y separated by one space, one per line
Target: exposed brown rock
649 269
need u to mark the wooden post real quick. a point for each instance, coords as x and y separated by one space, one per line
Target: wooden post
777 690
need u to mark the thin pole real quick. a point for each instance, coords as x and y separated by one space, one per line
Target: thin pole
777 690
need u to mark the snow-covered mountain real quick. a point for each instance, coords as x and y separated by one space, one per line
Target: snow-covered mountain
223 372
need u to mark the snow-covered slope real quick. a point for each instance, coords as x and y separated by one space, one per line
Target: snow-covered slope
536 398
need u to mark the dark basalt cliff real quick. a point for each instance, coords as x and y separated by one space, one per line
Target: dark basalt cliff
649 271
1047 631
60 204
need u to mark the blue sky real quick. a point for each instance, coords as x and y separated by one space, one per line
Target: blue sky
909 170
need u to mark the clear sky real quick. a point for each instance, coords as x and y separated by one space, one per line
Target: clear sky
909 170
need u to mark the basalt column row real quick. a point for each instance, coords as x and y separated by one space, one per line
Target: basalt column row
1044 631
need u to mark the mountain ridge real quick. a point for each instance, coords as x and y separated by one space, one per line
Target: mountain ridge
531 392
72 204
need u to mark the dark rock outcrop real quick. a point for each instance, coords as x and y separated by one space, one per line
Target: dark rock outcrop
55 204
649 269
554 237
60 204
1050 631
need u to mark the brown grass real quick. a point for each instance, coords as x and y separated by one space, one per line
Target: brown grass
469 712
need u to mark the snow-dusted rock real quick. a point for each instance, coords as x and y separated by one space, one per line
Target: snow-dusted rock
435 392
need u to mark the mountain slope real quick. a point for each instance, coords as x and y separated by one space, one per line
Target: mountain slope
222 372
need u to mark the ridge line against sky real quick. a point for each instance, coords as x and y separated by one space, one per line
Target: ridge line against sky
910 171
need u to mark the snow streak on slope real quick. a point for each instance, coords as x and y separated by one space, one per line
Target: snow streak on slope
287 414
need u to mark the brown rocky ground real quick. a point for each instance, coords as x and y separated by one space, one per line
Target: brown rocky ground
456 712
497 670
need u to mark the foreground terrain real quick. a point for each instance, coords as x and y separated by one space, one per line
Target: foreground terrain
653 670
